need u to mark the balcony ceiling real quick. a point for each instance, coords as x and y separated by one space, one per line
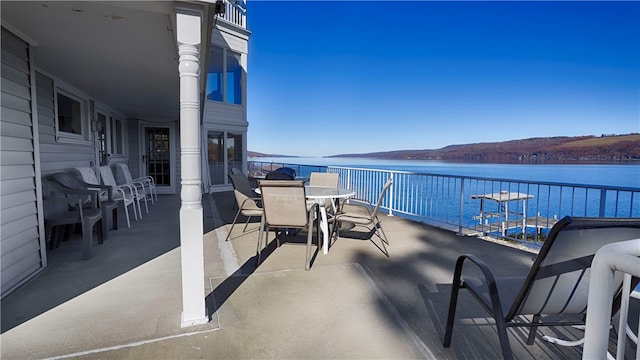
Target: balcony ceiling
122 54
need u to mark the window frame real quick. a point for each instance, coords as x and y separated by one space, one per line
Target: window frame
112 122
85 128
225 53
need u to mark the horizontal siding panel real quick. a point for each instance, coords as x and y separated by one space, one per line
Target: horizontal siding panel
17 185
12 74
230 41
219 113
45 111
13 242
9 158
66 157
14 45
15 130
16 89
13 258
53 167
14 275
16 172
17 199
14 116
17 212
64 148
7 144
46 138
44 91
13 60
18 226
15 102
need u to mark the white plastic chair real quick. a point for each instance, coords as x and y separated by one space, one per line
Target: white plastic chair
122 172
129 194
119 194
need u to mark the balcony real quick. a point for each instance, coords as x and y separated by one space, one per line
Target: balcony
235 12
354 303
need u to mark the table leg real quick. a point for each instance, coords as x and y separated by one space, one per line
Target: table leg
324 225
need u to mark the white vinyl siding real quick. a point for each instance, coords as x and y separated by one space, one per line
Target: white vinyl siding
19 235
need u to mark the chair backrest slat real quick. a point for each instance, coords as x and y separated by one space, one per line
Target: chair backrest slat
88 175
107 176
324 179
241 183
121 173
284 203
386 187
558 281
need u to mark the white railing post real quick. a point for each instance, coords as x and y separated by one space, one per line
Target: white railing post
603 202
391 194
461 206
188 27
621 256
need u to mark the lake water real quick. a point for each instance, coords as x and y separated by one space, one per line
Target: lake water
622 175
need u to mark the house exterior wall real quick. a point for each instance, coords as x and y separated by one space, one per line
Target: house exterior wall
57 156
221 116
20 242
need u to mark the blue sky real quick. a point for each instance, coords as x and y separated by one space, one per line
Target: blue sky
328 78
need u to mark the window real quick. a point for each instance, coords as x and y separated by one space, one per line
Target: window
71 118
214 75
116 135
234 77
224 152
224 76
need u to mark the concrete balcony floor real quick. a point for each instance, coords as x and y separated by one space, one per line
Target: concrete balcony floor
355 303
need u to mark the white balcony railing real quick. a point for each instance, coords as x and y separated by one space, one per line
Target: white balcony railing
236 12
468 205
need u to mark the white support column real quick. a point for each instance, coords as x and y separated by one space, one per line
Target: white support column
621 256
194 311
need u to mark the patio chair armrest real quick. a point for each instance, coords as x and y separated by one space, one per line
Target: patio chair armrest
122 189
147 179
107 188
256 200
311 210
490 280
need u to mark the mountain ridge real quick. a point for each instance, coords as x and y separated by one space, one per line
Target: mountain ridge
588 148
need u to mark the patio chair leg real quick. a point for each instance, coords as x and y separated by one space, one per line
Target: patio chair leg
382 240
126 213
533 330
385 238
453 302
232 225
258 250
246 224
87 241
102 232
504 338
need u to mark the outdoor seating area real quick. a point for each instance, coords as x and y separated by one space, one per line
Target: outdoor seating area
79 196
352 295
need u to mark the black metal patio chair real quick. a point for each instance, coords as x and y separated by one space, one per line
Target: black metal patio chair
557 283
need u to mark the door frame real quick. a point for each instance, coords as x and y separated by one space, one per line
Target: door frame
173 144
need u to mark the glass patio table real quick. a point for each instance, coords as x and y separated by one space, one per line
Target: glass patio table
319 194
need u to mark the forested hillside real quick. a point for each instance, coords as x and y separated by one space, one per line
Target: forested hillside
605 148
552 149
